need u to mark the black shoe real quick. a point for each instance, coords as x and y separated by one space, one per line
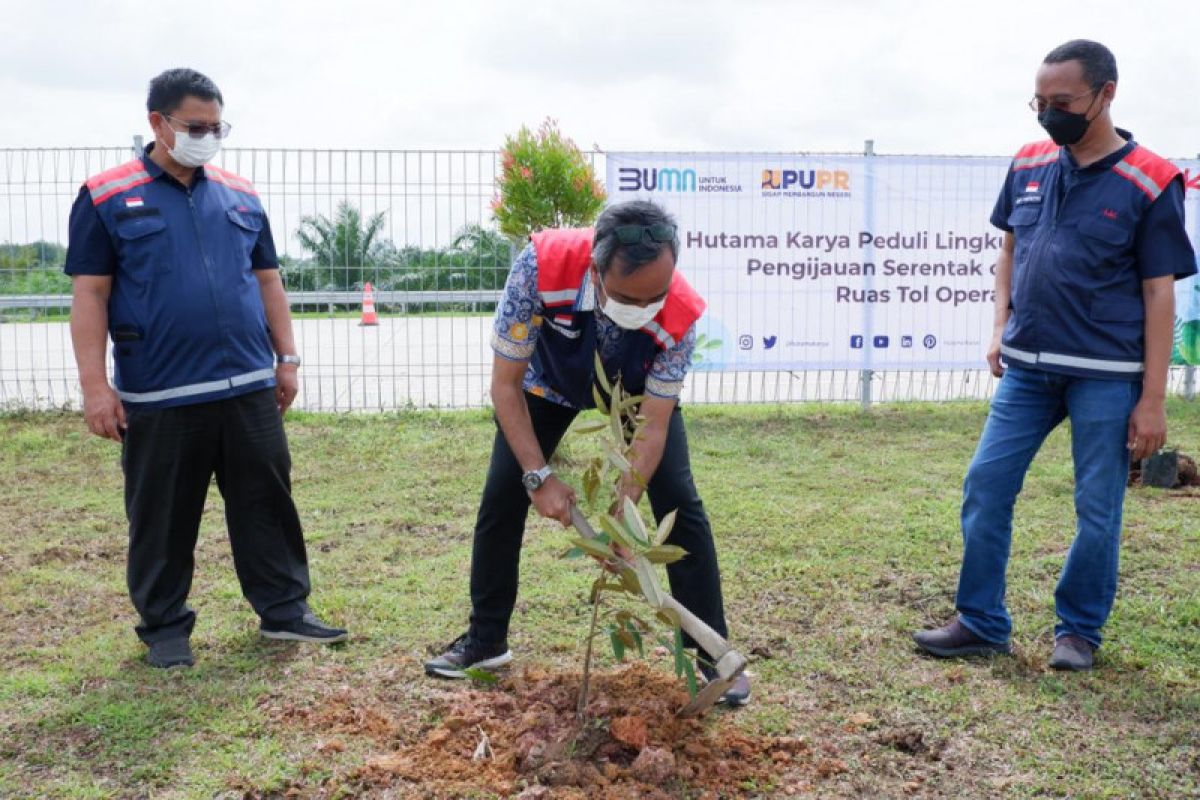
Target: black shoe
1072 653
955 639
171 654
465 653
736 695
308 628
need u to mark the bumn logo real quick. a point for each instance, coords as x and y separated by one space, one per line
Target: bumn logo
655 179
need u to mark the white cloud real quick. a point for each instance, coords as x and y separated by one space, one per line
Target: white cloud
928 76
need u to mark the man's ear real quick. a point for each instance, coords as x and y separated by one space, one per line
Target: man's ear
157 122
1109 91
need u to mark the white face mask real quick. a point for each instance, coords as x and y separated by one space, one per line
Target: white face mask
631 317
189 152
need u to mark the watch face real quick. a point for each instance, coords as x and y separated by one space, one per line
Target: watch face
532 481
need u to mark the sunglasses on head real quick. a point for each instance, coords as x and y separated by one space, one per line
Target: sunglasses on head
637 234
198 130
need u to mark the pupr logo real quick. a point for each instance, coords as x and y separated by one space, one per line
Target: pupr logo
799 182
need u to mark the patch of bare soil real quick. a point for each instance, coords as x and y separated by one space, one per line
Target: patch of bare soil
522 739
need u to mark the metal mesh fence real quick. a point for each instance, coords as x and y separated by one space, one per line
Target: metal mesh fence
416 225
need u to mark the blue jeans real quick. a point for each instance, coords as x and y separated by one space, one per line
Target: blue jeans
1028 404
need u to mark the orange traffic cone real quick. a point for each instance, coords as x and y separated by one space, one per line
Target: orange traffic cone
368 313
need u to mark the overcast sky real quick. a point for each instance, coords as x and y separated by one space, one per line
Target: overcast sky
925 76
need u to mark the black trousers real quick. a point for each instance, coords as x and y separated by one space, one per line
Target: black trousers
169 457
495 559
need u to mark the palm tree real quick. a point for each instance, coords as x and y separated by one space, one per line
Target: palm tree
485 253
344 245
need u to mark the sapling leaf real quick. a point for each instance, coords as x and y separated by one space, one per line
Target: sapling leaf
603 585
631 401
573 552
669 616
664 528
481 676
614 419
592 548
629 580
618 647
636 635
601 376
599 400
613 528
680 654
590 426
664 554
619 461
633 521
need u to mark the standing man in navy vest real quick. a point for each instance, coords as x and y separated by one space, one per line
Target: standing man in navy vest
570 295
173 258
1085 308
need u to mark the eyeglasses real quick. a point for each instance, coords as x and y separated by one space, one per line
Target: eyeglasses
1038 104
637 234
198 130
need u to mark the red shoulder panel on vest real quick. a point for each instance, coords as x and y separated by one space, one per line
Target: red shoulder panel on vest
227 178
1153 166
1036 154
563 256
683 307
116 180
1037 148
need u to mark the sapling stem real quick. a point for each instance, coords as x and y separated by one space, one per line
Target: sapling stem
581 707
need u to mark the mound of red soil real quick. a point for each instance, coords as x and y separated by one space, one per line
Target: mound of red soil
522 739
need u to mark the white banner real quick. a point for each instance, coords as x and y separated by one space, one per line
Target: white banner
835 261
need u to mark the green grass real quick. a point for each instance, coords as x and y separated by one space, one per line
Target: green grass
837 533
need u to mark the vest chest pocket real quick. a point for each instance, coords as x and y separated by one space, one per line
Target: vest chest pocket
1103 242
144 245
1025 214
247 225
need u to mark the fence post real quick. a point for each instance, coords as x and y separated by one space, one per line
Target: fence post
867 375
139 146
1189 372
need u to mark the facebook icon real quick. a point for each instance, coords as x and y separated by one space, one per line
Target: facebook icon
856 342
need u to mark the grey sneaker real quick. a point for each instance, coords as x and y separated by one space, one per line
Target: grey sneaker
171 654
1072 653
736 695
954 639
308 628
465 653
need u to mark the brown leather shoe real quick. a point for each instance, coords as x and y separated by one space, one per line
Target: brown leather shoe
1072 653
954 640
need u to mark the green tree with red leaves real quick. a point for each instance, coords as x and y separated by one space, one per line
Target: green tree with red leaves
545 182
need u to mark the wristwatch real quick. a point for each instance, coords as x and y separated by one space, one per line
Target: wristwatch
533 480
289 359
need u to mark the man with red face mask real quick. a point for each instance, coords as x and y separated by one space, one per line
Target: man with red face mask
173 259
1085 309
